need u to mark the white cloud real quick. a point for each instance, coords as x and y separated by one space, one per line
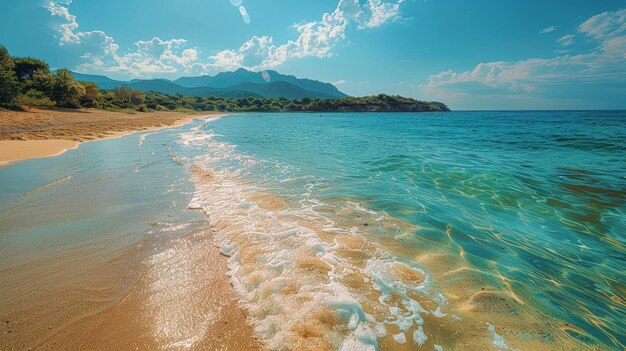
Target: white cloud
566 40
380 12
101 53
317 38
149 58
548 30
66 29
606 63
339 82
605 25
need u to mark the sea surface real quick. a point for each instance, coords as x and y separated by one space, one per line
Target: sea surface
494 230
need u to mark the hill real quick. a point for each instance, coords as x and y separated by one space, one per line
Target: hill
228 79
239 83
102 81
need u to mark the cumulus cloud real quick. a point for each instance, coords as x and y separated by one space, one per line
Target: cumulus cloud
548 30
149 58
605 25
68 25
317 38
102 54
605 63
378 12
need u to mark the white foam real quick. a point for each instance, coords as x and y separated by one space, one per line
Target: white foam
399 338
437 313
363 339
498 340
419 336
142 137
227 250
284 273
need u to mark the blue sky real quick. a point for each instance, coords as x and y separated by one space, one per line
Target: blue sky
479 54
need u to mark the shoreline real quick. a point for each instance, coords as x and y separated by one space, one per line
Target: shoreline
32 149
187 278
105 305
22 139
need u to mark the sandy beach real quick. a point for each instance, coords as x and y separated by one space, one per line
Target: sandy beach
196 238
346 176
153 294
43 133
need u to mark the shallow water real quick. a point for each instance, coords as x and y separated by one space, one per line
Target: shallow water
500 230
534 201
78 231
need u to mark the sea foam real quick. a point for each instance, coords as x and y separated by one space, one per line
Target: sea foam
304 280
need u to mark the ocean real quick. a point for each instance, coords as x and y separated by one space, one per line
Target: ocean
495 230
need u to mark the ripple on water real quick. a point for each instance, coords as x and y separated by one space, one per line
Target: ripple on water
334 273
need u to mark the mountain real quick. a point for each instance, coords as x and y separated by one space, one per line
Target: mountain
308 84
228 79
278 90
102 81
222 80
168 87
239 83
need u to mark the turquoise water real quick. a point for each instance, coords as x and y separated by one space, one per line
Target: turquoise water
77 233
108 193
536 197
531 204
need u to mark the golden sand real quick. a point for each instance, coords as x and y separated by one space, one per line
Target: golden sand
133 300
126 322
15 150
42 133
139 298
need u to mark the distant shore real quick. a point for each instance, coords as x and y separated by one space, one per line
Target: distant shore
49 132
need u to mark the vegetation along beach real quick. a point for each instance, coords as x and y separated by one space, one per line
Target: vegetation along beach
170 181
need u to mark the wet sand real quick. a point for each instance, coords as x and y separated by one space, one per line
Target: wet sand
17 150
135 300
481 311
152 295
42 133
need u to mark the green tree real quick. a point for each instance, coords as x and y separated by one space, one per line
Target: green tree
125 97
122 93
66 92
292 106
92 95
136 97
25 67
44 81
9 86
6 61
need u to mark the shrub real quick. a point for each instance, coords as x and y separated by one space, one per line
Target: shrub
34 98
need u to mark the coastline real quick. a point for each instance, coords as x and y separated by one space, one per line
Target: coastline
108 305
47 133
153 311
12 151
186 278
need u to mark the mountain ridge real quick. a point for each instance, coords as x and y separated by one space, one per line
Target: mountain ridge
239 83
